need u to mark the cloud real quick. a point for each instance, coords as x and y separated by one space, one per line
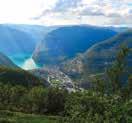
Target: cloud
56 12
112 11
22 11
63 5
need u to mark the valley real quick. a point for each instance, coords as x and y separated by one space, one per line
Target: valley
51 54
65 61
65 74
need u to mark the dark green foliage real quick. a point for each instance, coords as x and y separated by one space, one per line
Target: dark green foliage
99 86
35 100
117 78
118 71
18 77
56 100
108 101
89 107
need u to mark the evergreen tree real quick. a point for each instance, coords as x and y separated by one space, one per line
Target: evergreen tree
116 73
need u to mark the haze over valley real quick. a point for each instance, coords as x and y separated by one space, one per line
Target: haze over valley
65 61
23 44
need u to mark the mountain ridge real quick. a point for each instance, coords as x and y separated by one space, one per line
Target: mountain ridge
66 42
98 57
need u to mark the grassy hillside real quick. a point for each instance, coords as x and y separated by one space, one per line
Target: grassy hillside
15 117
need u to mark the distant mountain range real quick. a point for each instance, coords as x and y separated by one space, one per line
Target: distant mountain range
65 42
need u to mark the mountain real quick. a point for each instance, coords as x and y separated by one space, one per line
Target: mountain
98 57
10 73
14 41
65 42
37 32
119 28
20 38
5 61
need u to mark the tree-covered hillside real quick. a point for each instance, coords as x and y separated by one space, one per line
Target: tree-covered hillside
17 76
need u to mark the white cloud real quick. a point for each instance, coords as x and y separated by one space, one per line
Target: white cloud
21 11
83 11
56 12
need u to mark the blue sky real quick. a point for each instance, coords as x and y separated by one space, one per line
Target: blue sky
65 12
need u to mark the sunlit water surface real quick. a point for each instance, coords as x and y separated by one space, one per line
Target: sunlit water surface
24 61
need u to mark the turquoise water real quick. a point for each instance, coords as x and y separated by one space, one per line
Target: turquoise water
24 61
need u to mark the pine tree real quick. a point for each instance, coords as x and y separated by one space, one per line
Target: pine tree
117 70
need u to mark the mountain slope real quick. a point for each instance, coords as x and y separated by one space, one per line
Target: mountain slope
5 61
66 42
99 56
21 38
35 31
15 41
10 73
15 76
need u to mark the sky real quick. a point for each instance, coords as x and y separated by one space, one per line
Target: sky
66 12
